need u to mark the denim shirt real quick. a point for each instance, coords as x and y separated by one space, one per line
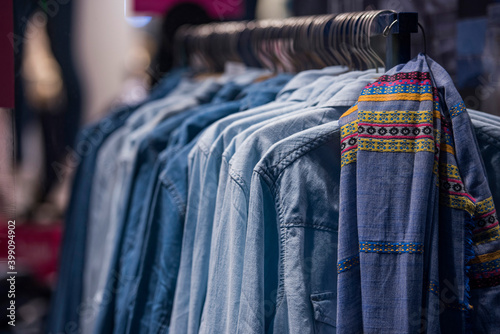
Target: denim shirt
417 236
134 312
110 184
288 285
239 158
205 161
69 304
125 257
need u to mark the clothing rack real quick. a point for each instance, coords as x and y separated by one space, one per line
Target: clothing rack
299 43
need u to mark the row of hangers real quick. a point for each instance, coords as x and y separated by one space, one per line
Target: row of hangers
288 45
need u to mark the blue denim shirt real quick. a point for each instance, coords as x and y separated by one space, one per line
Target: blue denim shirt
68 304
204 164
111 184
413 252
125 259
288 285
129 306
239 158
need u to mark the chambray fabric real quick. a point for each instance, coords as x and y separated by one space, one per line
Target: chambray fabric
238 160
69 303
404 249
130 314
120 277
288 285
173 133
203 167
114 162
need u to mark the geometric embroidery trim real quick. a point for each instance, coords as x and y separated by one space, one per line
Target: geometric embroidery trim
489 235
391 247
485 266
486 221
349 143
485 206
396 145
347 264
396 97
457 202
400 89
486 257
452 186
349 129
395 117
449 171
348 157
457 109
394 131
415 75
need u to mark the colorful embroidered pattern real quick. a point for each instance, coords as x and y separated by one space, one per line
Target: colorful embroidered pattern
347 264
396 145
460 202
486 217
486 270
419 76
489 235
486 266
449 171
486 257
395 97
396 117
348 158
389 131
485 206
486 221
398 88
349 129
391 248
457 109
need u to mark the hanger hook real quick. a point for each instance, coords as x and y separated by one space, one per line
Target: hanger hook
387 29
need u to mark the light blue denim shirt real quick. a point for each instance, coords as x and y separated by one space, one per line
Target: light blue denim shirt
145 302
288 285
114 163
202 170
234 185
70 307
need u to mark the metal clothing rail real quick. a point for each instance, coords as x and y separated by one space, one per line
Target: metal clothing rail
300 43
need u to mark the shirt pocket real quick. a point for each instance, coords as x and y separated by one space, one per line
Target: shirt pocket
325 312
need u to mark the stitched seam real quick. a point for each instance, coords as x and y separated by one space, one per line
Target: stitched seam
297 153
169 185
283 252
309 225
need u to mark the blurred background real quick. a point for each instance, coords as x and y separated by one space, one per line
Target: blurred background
75 60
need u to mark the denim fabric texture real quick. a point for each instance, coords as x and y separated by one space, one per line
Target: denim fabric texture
69 304
288 285
174 134
331 200
407 260
231 214
204 165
